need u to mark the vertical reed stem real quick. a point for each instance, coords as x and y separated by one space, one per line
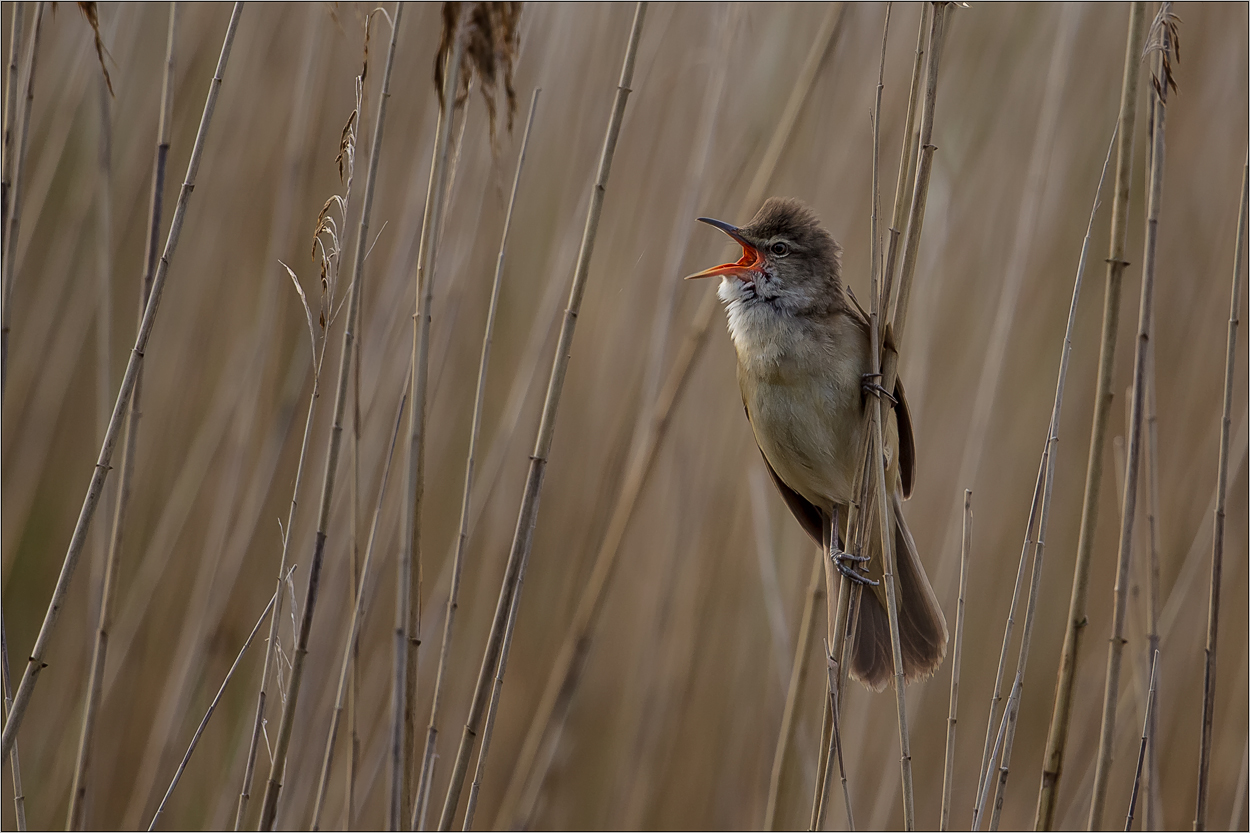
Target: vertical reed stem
528 515
269 808
1115 652
1062 713
1217 544
948 769
108 590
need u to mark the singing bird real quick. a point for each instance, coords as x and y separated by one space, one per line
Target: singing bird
804 369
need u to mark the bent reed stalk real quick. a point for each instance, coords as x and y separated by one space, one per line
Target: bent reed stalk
36 662
518 557
269 808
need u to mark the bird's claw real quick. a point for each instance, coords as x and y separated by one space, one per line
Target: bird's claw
874 388
839 561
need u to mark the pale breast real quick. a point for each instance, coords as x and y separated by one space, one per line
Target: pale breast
806 407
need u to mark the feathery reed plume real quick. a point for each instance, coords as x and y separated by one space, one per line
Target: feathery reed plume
948 769
546 726
36 662
109 587
1145 732
269 808
492 36
353 632
1115 652
427 762
408 587
15 158
1056 740
1217 545
509 593
91 11
10 109
212 707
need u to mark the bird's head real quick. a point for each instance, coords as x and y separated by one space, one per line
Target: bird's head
789 261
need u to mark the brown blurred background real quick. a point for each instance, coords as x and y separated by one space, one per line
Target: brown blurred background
675 722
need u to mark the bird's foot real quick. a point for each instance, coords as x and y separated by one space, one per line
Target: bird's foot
840 561
874 388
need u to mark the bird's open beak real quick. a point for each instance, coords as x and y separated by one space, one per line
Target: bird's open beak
744 269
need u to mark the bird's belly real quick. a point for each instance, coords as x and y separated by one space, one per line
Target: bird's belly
811 438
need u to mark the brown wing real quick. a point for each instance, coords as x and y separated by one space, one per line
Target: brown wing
906 437
805 512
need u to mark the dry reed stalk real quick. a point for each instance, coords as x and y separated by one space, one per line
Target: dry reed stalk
462 538
408 586
104 292
906 181
988 757
13 206
348 666
948 769
212 707
547 724
269 808
1102 773
36 662
6 179
798 675
877 453
1217 545
1057 736
831 686
19 796
1047 481
10 109
1145 734
509 594
104 624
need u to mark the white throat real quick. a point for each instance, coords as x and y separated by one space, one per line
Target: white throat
759 332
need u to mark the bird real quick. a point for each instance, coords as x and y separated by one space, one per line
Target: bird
805 374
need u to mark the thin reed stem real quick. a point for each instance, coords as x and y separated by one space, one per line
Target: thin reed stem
778 779
1047 468
948 769
1145 734
13 202
36 662
1217 544
408 586
1056 741
348 666
19 796
10 108
518 557
269 808
462 538
1115 651
108 590
199 730
549 717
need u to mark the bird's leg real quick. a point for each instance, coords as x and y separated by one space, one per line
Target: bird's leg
841 559
874 388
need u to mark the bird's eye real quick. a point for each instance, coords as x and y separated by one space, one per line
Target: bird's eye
780 249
